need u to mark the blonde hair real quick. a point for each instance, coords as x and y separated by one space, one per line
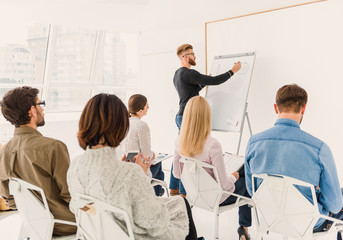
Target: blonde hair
196 126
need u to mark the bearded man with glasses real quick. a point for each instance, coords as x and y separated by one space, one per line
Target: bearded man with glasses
188 83
34 158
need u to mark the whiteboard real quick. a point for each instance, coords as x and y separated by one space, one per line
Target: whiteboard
228 100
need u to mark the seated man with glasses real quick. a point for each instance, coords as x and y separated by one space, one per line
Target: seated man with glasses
33 158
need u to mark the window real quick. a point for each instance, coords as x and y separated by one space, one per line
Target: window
67 99
117 65
70 64
18 64
72 55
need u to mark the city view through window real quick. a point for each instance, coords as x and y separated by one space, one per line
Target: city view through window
70 64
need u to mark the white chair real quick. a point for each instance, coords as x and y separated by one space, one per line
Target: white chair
280 208
37 220
203 191
155 182
95 220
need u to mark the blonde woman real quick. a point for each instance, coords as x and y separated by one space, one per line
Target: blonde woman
195 141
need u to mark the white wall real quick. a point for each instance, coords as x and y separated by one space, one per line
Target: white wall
166 29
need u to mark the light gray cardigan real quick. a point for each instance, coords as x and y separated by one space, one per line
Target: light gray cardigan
100 173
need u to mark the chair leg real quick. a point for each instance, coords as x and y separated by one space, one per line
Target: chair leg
259 236
216 226
22 234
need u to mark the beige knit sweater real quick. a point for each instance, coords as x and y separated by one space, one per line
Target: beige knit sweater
101 174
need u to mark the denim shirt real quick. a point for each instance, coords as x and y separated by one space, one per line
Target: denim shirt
287 150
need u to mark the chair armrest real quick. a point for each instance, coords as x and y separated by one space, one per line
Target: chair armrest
64 222
155 182
241 200
336 225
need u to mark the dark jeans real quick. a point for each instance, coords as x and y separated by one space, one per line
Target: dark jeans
192 234
244 211
327 224
156 171
174 182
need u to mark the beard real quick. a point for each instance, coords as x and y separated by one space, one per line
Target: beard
192 62
41 121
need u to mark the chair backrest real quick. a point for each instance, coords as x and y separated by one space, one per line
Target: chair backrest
282 208
37 220
96 220
202 189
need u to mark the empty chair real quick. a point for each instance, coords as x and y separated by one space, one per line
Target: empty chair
281 208
37 220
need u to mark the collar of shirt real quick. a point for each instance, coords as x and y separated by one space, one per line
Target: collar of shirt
26 130
134 117
287 122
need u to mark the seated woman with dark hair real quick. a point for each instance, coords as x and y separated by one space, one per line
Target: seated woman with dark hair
100 173
138 137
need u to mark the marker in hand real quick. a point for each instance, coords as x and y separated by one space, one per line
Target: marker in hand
236 67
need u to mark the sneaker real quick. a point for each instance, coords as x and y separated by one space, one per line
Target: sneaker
174 192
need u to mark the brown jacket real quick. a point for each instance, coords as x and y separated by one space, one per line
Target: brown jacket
43 162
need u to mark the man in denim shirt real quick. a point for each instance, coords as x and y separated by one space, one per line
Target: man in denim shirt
287 150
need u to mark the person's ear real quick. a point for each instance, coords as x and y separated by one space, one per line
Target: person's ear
32 111
276 109
303 109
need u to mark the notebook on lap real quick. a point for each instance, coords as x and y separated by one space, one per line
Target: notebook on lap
160 157
233 162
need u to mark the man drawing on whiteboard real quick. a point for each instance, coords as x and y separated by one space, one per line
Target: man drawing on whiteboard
188 83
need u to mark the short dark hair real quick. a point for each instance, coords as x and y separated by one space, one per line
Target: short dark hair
16 104
291 98
105 118
136 103
182 48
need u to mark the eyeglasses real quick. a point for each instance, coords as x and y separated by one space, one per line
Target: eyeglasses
42 103
189 54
